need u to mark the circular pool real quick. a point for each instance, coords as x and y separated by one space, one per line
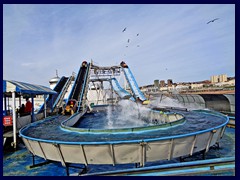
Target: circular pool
58 139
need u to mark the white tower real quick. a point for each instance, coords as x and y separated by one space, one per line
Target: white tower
54 81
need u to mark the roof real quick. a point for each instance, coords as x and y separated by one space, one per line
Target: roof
25 88
54 80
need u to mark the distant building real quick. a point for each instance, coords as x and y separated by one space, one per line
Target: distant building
156 83
196 85
172 87
169 87
149 88
169 82
163 89
222 78
162 83
219 78
232 82
214 79
182 87
227 83
54 81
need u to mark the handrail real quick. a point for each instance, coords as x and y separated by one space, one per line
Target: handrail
74 85
83 87
62 93
47 99
166 168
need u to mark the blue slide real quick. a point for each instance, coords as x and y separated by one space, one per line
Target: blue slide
119 90
133 84
61 95
51 99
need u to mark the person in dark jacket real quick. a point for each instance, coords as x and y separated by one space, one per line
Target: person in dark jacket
22 110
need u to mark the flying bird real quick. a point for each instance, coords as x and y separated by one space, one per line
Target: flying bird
138 46
212 20
124 29
128 40
137 34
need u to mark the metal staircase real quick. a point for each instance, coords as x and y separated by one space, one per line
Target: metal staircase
83 103
59 101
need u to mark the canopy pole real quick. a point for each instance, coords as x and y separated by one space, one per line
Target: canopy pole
20 102
5 104
14 143
45 106
32 115
8 108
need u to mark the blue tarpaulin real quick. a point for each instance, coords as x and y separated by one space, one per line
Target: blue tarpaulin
25 88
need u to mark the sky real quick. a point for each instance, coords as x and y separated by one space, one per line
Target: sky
166 41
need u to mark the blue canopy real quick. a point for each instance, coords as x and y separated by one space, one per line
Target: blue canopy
25 88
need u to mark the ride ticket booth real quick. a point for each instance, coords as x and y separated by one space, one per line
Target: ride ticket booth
15 91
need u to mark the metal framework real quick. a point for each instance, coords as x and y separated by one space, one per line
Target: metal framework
99 75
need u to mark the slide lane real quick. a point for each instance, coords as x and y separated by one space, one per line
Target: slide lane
133 84
119 90
52 98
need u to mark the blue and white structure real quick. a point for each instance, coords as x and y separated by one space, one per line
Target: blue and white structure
180 134
119 90
137 93
13 89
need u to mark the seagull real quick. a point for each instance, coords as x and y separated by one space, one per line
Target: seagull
212 20
137 34
128 40
124 29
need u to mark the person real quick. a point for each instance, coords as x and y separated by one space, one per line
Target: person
8 113
71 104
22 110
17 112
60 110
123 64
28 107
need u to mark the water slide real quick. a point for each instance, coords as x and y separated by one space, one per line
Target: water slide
59 101
51 99
119 90
78 88
137 93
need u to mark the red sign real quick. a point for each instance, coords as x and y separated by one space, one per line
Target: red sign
7 121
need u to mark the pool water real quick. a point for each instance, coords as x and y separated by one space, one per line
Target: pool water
51 129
